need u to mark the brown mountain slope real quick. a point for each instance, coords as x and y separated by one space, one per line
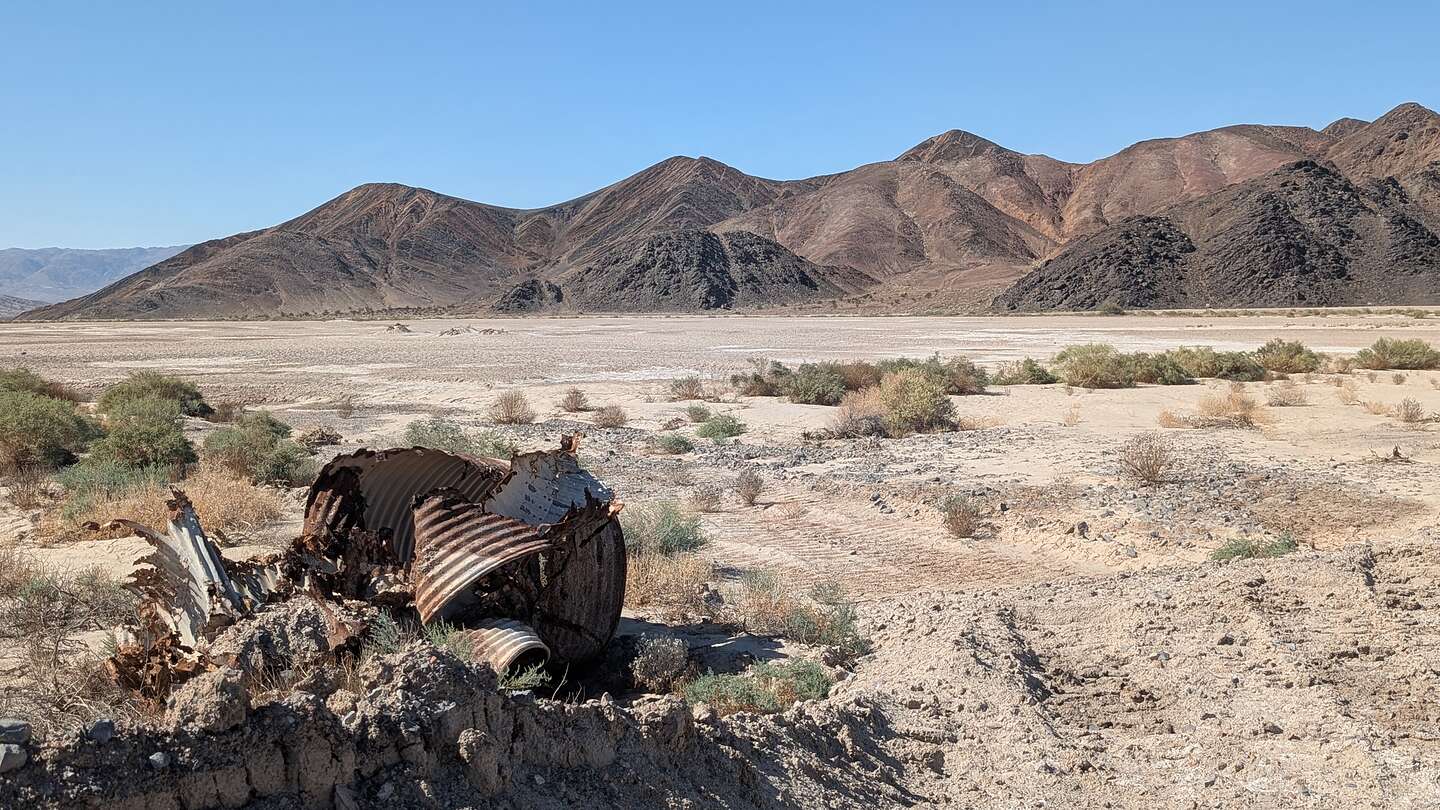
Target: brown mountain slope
1301 235
900 218
1399 143
957 214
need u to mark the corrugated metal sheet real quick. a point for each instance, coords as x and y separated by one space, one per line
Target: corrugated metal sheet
502 642
376 491
457 542
187 586
579 608
544 487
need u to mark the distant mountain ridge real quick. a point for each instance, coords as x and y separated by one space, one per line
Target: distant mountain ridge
1242 214
55 274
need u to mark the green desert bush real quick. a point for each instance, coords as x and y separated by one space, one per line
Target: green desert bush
720 427
94 480
1022 372
1238 367
814 384
661 528
1093 365
40 430
23 379
958 375
258 447
1156 369
672 444
762 688
915 401
448 435
1388 353
144 432
147 384
857 375
697 413
1287 357
686 388
1247 548
764 379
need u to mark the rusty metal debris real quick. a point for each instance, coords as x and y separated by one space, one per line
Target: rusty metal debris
525 558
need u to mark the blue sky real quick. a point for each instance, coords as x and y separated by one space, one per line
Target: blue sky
152 123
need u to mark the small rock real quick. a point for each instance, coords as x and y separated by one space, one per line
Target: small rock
11 757
1271 728
101 731
159 760
14 730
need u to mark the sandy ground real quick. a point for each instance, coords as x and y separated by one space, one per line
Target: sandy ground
1080 650
1042 461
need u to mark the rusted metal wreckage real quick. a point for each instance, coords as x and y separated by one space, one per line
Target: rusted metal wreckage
524 557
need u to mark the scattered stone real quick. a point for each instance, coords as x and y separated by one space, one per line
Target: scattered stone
15 731
159 760
101 731
12 757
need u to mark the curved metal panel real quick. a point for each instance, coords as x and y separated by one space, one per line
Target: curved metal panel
456 543
375 491
585 590
502 642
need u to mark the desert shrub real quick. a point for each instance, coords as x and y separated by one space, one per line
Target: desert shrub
318 437
610 416
1389 353
1238 367
524 679
720 427
1022 372
40 430
762 688
59 686
687 388
1110 307
1147 458
1377 408
957 375
257 447
511 408
1335 364
1246 548
857 375
1286 395
345 406
1093 365
23 379
1287 357
1233 409
661 528
861 414
748 485
659 662
822 616
144 432
447 435
705 498
574 401
225 503
1196 361
697 413
1156 369
960 515
673 580
671 444
1398 378
447 636
1348 393
1409 411
383 635
148 384
814 384
764 379
915 401
227 412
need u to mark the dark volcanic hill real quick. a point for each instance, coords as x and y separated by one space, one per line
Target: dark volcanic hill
1242 215
1303 235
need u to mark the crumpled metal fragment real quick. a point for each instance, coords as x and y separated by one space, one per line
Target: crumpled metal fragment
526 558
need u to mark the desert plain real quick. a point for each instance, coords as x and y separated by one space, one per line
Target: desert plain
1080 647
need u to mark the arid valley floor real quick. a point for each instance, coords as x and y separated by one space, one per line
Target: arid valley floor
1080 649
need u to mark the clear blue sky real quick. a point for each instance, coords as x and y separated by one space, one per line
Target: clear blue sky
155 123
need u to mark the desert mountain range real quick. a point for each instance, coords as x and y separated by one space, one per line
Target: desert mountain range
1246 215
